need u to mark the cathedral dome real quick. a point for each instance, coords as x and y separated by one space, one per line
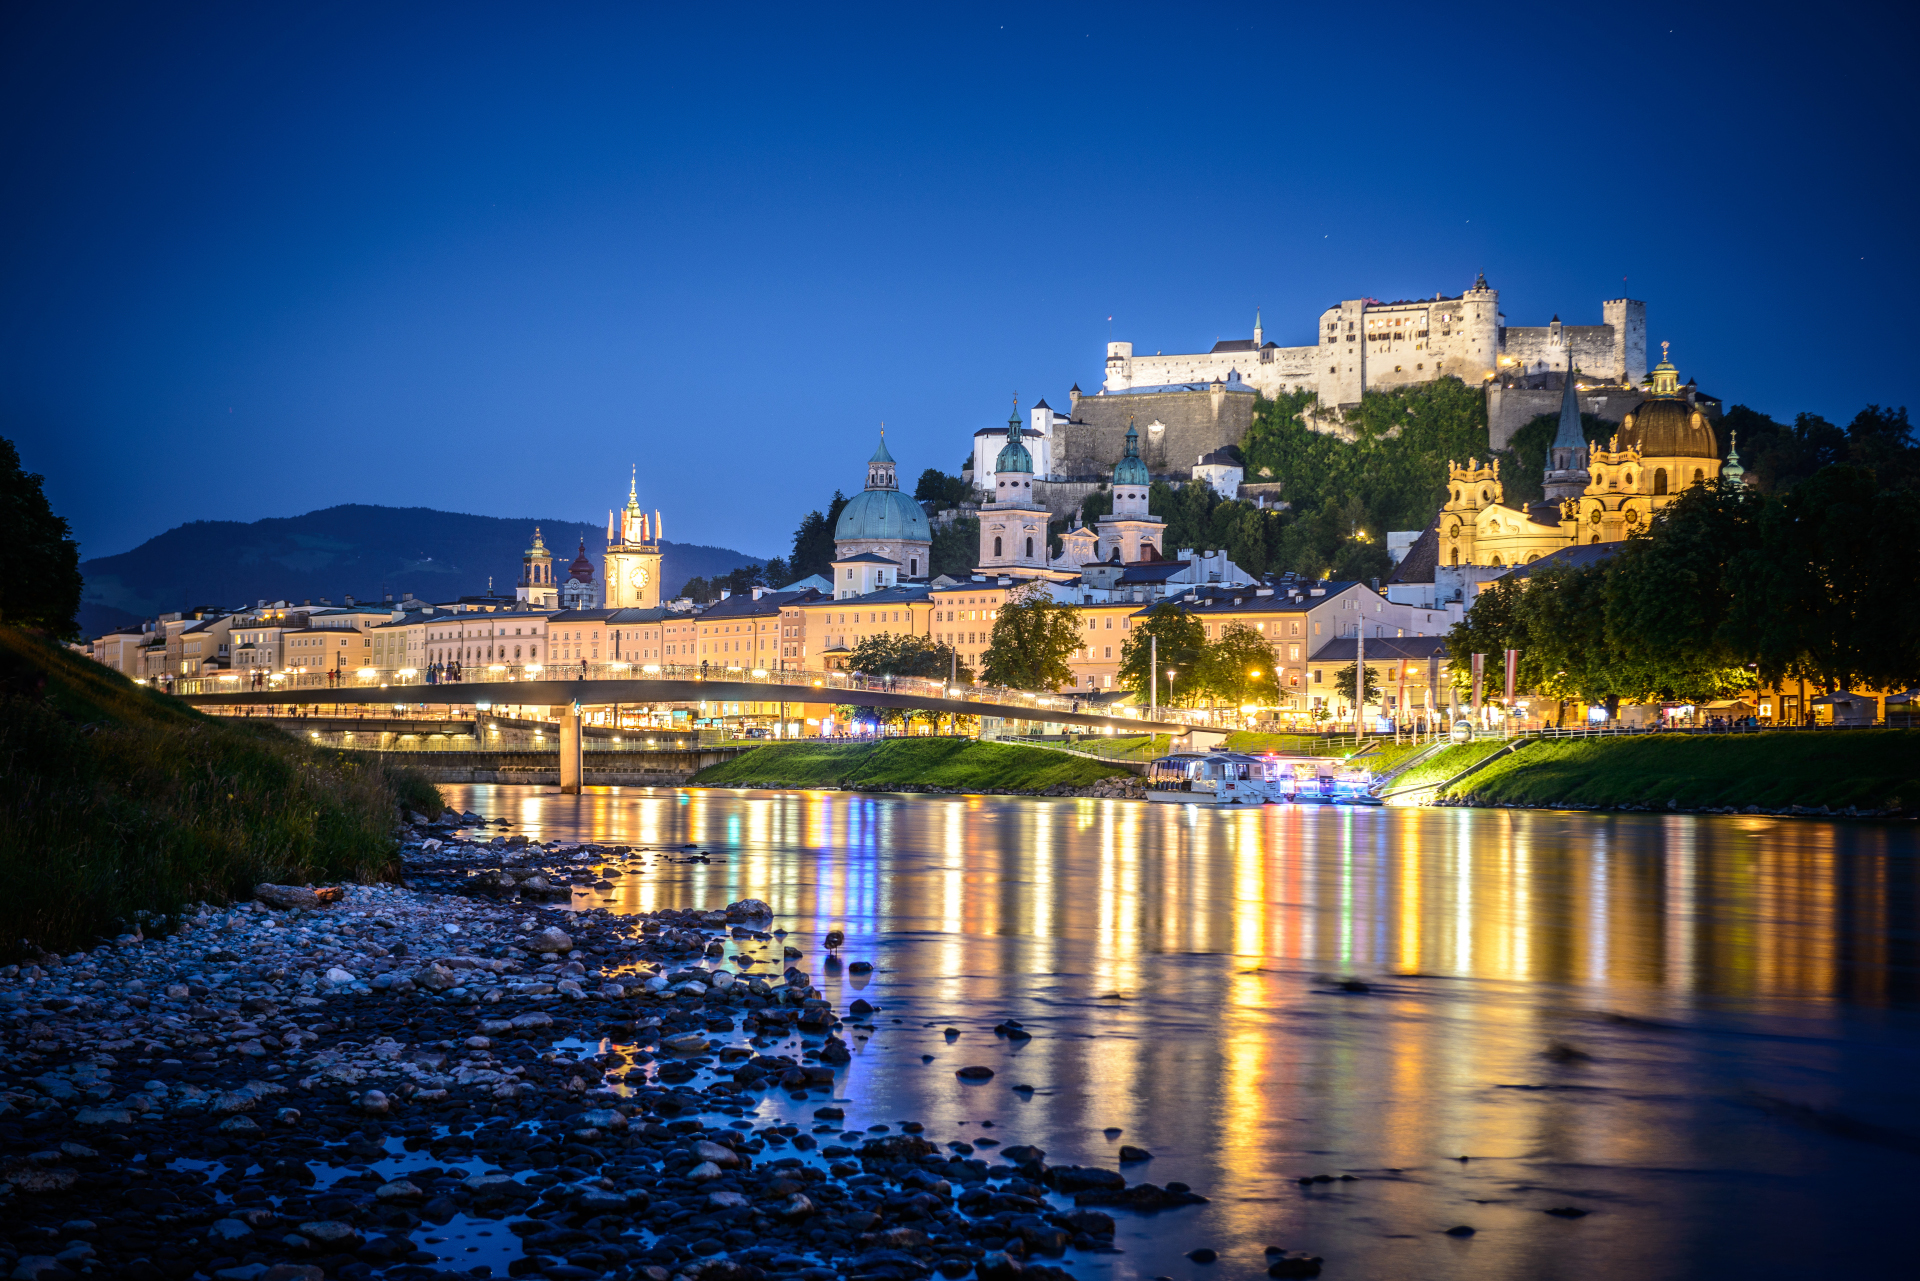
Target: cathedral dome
1662 428
882 514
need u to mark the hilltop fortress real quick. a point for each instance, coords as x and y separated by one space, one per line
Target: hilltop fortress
1188 406
1367 345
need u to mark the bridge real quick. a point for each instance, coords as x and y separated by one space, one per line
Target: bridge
381 692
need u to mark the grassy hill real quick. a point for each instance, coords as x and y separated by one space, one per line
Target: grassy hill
1871 769
116 801
893 762
353 548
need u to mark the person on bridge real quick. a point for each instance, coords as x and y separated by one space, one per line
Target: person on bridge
703 669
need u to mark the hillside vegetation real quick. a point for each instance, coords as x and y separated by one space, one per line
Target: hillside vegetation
117 803
1871 769
893 762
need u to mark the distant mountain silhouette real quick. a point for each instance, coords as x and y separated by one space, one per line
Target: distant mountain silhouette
356 550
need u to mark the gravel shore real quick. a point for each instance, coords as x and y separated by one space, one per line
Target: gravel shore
465 1077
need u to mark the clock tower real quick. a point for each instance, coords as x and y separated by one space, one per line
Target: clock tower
633 555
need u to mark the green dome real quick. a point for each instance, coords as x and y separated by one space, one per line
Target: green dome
1013 455
1130 470
882 514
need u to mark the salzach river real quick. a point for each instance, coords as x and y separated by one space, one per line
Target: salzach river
1702 1031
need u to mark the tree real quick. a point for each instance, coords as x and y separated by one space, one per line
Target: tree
936 486
813 542
1238 667
1033 634
1343 683
40 574
1182 644
955 549
774 573
897 654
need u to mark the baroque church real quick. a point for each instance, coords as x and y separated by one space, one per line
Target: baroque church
1593 494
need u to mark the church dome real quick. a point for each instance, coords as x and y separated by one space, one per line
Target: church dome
882 514
1662 428
581 571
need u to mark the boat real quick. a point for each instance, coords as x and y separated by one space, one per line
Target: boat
1240 778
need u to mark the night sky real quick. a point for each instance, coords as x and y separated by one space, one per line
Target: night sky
258 259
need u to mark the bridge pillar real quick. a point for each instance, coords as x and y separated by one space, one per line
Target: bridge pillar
570 761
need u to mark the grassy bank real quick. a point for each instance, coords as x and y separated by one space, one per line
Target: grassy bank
1445 763
1871 769
115 801
893 762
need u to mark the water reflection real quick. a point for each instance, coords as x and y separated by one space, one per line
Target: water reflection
1689 1026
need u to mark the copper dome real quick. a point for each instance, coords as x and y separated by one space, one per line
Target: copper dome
1663 428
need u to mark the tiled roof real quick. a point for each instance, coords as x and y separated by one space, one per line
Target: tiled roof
1246 600
1579 556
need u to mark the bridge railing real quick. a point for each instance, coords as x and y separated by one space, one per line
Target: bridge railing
786 684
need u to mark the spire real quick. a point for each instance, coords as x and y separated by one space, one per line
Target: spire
1731 469
1258 333
1570 436
1666 379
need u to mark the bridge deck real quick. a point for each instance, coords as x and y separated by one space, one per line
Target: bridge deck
593 693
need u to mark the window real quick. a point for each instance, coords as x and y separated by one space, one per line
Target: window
1660 480
1029 549
996 542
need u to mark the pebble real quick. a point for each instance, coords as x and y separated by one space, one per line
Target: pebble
212 1092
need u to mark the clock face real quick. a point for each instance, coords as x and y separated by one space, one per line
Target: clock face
638 576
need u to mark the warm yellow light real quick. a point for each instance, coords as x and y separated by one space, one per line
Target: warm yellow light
366 673
229 676
759 671
619 667
408 672
652 669
497 667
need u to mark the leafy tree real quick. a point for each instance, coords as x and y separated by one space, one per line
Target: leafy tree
1496 623
897 654
936 486
955 548
1570 652
1343 683
1182 647
1033 635
1670 595
813 542
774 573
1238 667
1827 588
40 574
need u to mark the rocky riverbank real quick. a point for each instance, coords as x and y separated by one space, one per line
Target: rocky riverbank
460 1078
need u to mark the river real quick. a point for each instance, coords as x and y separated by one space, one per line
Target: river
1702 1031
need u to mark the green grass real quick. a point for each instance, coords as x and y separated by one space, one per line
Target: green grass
928 762
1447 762
1873 769
117 801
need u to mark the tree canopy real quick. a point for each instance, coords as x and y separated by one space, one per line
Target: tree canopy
40 574
1182 643
895 654
1033 636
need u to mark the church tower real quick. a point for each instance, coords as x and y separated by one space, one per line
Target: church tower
633 555
1131 533
1566 475
536 586
1013 525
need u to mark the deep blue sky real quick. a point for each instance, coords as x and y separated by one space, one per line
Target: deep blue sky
258 259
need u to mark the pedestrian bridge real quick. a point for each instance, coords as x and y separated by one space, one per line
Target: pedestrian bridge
614 683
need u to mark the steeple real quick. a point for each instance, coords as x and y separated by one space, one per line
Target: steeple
1570 436
1259 334
1013 455
1731 469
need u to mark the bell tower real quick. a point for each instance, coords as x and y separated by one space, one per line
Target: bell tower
536 586
633 554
